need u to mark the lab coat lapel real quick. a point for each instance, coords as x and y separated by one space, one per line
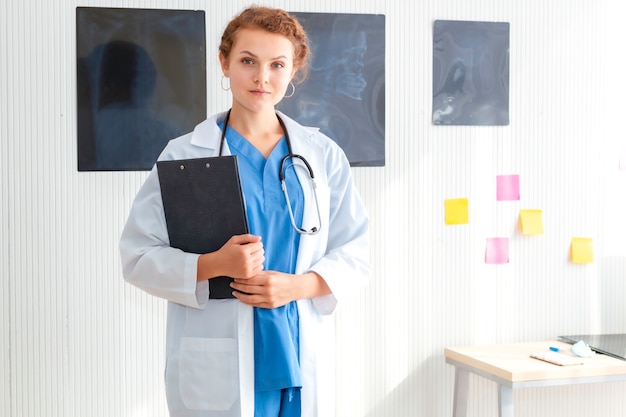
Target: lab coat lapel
208 134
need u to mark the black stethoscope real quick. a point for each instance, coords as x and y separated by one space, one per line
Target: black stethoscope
281 176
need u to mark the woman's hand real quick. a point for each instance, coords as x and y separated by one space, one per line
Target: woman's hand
271 289
241 257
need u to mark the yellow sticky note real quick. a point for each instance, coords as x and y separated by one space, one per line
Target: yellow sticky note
531 222
457 211
582 250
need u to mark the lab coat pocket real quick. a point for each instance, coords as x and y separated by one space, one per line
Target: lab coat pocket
208 373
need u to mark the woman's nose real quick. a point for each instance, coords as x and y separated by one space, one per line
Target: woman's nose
262 75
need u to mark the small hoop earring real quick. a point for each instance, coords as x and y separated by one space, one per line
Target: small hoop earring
293 91
222 82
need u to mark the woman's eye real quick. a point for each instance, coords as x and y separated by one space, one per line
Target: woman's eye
278 65
247 61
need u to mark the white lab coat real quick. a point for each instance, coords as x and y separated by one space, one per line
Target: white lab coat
209 346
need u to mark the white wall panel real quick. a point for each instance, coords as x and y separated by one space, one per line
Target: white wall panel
77 341
5 253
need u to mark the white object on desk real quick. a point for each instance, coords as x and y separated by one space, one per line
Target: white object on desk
556 358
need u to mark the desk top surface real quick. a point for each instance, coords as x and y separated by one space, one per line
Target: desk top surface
513 363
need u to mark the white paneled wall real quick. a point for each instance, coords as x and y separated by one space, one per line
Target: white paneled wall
77 341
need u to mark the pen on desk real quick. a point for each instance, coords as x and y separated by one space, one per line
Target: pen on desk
554 349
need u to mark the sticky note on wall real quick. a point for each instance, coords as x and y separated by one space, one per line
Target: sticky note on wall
497 250
457 211
582 250
507 187
531 222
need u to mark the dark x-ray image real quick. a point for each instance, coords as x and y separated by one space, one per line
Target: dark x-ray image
344 94
141 81
470 73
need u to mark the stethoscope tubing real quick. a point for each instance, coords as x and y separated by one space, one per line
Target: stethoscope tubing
281 176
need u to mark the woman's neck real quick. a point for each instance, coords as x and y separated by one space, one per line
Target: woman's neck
262 130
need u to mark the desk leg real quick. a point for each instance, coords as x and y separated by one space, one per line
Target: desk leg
461 388
505 401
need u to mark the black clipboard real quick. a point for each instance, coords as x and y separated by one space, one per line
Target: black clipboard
204 207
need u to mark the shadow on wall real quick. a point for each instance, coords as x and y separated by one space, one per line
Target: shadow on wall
421 391
612 284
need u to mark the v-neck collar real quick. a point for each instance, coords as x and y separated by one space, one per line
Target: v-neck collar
241 146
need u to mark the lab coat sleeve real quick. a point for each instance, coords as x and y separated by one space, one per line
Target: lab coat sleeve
345 264
148 261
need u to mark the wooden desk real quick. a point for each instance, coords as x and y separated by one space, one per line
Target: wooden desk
511 367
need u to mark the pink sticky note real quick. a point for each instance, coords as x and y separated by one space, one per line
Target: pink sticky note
497 250
507 187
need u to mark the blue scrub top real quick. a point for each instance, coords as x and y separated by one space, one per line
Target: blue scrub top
276 331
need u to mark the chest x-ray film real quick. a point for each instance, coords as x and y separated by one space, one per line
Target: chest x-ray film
141 81
344 94
470 73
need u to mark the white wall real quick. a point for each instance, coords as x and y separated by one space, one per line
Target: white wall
78 341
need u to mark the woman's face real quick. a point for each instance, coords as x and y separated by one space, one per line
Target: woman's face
260 68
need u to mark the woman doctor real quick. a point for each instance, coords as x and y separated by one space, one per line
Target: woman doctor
269 351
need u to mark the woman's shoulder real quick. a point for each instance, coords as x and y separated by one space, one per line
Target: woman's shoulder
200 142
309 135
177 148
